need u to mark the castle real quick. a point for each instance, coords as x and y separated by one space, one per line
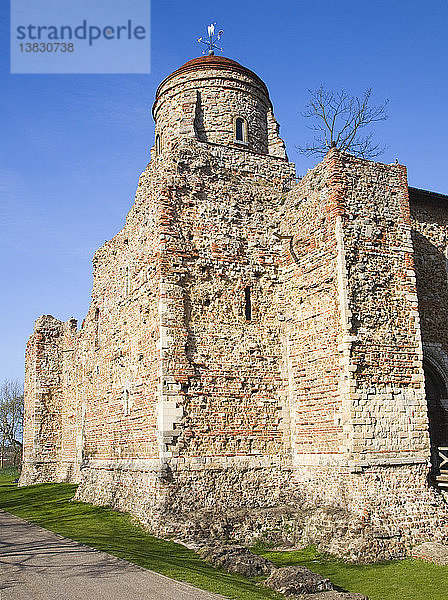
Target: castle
253 362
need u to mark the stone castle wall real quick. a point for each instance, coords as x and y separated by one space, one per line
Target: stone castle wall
118 349
310 310
45 426
251 364
387 404
220 266
232 451
104 377
220 388
41 431
352 322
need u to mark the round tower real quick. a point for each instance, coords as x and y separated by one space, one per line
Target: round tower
218 101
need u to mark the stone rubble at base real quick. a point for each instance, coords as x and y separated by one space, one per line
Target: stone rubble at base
236 559
296 581
434 552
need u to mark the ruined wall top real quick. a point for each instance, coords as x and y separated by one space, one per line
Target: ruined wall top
216 100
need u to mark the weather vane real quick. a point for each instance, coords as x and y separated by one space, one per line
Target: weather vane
212 38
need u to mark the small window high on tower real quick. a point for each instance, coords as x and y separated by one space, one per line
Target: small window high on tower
240 130
158 144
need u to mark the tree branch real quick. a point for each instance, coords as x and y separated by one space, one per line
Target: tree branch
338 118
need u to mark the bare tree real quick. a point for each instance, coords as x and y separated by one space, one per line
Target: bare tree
338 121
11 419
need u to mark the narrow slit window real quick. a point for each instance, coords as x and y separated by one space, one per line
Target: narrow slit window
97 327
240 130
126 403
248 304
127 283
158 145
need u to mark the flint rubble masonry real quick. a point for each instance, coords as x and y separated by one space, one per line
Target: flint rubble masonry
308 421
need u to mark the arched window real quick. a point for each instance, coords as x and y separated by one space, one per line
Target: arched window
158 144
240 130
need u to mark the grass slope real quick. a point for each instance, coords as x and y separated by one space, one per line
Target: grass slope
49 506
395 580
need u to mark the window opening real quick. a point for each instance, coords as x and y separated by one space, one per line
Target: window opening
248 304
158 144
127 282
97 327
240 130
126 402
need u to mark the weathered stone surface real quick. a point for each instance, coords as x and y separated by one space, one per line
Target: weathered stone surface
251 365
432 552
237 559
296 581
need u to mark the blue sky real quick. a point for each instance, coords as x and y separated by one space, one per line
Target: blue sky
73 146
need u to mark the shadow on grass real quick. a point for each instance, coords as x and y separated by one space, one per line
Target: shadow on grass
50 506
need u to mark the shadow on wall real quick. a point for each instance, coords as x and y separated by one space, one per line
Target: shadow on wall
432 290
199 119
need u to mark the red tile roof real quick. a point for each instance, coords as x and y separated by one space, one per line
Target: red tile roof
213 62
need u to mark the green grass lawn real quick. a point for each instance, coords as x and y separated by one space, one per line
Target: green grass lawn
49 506
395 580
